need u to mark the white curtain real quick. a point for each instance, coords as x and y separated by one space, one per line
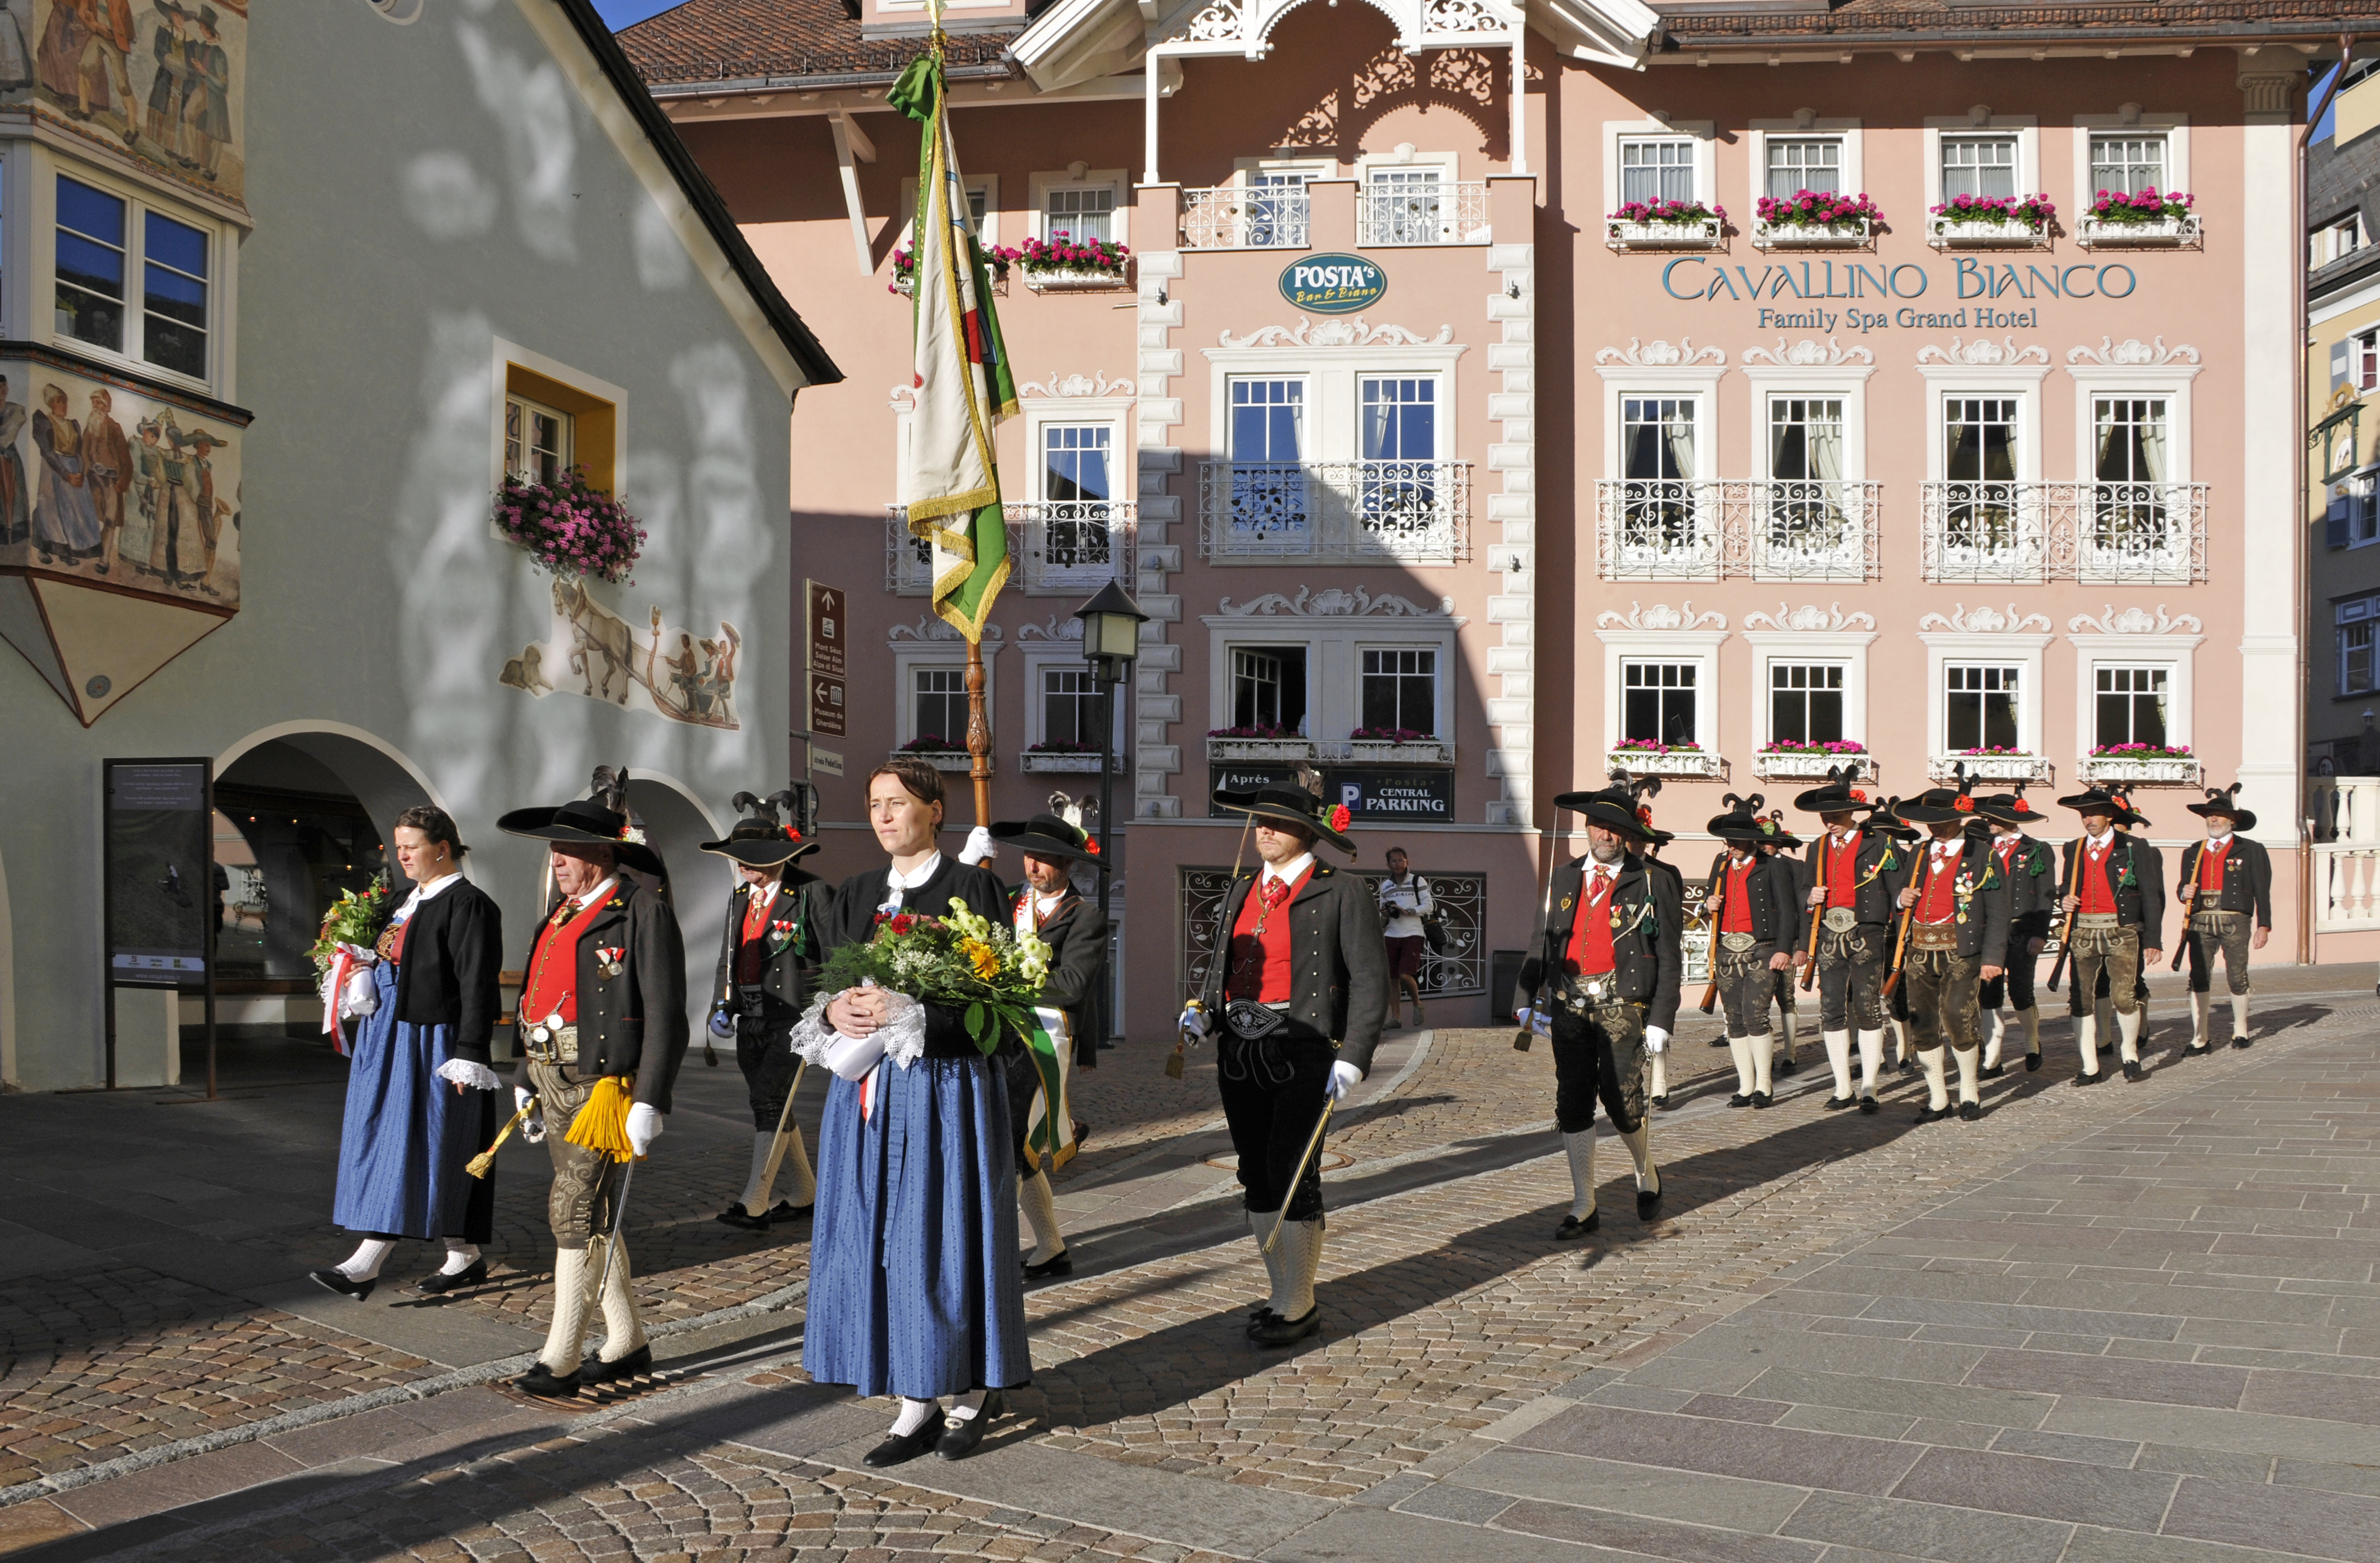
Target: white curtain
2153 447
1826 447
1678 428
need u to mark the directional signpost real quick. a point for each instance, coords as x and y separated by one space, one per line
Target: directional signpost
823 672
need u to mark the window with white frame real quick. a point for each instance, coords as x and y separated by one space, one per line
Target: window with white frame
1267 688
1804 163
104 241
1982 706
1404 206
938 705
2131 704
2357 618
2130 440
982 190
1978 165
1278 209
1400 690
537 440
1805 468
1080 212
1658 701
1657 435
1070 707
1805 701
2127 162
2363 362
2341 236
1076 463
1656 168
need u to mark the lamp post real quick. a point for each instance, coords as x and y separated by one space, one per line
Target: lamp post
1111 622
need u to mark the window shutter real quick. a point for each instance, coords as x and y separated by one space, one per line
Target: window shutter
2333 523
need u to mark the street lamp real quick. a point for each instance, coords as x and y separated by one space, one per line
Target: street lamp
1111 622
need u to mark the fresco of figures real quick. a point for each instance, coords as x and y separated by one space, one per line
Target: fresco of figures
103 483
161 79
660 668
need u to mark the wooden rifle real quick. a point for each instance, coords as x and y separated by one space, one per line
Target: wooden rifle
1218 948
2187 893
2066 933
1899 950
1711 910
1818 914
1550 846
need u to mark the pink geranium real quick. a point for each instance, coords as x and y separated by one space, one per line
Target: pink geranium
569 527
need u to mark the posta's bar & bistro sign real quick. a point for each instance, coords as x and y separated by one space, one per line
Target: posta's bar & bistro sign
1977 285
1333 285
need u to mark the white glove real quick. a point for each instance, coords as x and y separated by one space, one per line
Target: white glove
645 1122
356 995
852 1057
1196 1022
462 1071
979 849
533 1126
1342 1080
1538 1020
1656 1039
362 955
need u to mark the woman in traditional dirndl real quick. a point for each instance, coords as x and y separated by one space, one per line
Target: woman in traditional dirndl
915 1289
421 1100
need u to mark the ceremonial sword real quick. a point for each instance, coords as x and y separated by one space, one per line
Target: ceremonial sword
1312 1143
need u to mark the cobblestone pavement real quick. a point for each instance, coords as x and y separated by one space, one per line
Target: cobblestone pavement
1455 1326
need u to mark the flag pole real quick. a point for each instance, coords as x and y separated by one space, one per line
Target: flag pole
978 734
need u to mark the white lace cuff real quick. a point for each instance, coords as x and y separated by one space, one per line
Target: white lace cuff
812 1035
462 1071
905 1028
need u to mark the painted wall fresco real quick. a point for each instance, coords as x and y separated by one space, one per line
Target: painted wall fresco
101 481
660 668
161 79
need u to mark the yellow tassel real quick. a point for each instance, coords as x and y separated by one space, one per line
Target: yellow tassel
602 1123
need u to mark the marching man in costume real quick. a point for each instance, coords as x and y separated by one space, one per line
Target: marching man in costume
1856 877
1296 1001
1047 907
1754 919
2115 890
768 953
1657 1064
1604 973
1958 927
2227 880
2028 875
602 1030
1785 981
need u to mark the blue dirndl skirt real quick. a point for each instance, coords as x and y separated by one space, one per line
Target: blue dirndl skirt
407 1133
914 1285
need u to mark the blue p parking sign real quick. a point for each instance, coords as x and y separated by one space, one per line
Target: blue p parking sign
1333 285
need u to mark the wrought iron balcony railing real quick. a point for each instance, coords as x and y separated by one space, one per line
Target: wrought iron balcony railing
1407 512
1782 529
1231 217
1057 547
1452 213
2147 534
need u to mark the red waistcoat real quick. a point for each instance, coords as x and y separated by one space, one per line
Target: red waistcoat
1735 914
1590 930
553 982
1842 870
1261 957
2097 870
1937 900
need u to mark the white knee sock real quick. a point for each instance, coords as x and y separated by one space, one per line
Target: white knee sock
1640 1150
1580 1148
2127 1034
1899 1039
1657 1074
757 1181
622 1331
1992 1043
1040 1206
1763 1056
1839 1058
2032 1019
1301 1251
1260 1227
565 1341
1968 1074
969 1405
2200 1004
798 1165
2103 1015
460 1256
1785 1031
2086 1042
1741 1048
913 1416
365 1263
1871 1049
2239 1013
1938 1095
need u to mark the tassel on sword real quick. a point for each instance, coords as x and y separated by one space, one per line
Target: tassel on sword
479 1165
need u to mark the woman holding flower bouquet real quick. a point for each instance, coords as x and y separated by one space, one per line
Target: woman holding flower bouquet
915 1289
432 971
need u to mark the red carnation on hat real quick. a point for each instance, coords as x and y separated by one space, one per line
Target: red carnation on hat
1859 795
1645 814
1090 845
1965 804
1340 816
791 835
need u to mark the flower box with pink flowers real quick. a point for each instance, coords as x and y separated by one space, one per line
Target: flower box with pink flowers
1815 220
569 527
2145 217
1063 263
1990 222
1666 224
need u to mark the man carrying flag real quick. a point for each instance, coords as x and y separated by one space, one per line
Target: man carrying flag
963 388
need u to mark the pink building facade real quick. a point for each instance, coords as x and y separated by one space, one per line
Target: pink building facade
1442 466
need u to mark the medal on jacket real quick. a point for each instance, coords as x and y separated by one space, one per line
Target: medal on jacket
608 959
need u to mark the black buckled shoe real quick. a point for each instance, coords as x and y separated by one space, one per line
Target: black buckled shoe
2032 1062
2243 1042
1258 1316
475 1274
735 1215
2093 1078
336 1280
2133 1071
1761 1098
547 1385
1970 1111
1993 1072
961 1435
1907 1065
636 1364
1739 1100
1935 1115
1648 1205
1277 1332
2200 1051
1786 1066
1836 1103
787 1210
1578 1226
901 1447
1057 1264
1867 1104
1662 1101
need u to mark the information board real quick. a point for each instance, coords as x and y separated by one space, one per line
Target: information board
162 897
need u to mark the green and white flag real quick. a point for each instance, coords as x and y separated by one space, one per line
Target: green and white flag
962 380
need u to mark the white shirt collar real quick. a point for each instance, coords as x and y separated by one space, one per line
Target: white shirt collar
2100 843
1047 902
2222 841
897 884
762 893
429 892
1847 837
598 893
1288 873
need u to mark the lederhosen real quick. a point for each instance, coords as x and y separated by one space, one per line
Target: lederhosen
1944 984
1740 959
2224 915
2027 878
1855 941
2106 945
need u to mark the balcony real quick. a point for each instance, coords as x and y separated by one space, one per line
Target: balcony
2168 233
1229 217
1782 529
1397 213
1056 548
1382 512
2128 533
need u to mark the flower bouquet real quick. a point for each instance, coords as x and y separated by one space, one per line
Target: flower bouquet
1391 735
343 956
988 971
1061 253
2032 212
932 743
1259 731
569 527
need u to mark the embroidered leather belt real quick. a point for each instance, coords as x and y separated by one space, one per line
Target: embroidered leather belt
552 1044
1840 919
1934 936
2097 921
1249 1020
1581 994
1736 943
2216 921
